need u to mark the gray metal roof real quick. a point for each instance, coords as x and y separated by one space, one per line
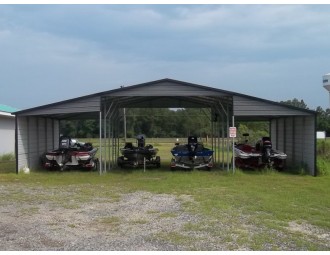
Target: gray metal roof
165 93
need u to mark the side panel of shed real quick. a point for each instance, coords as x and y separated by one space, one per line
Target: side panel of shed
296 136
35 135
289 137
21 142
283 137
33 145
308 138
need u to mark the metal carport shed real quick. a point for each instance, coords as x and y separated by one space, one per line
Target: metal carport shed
292 129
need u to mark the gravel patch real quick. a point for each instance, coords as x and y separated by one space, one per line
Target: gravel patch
132 223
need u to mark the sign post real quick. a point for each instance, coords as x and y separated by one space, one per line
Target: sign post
232 134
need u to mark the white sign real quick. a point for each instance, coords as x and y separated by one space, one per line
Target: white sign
232 132
320 134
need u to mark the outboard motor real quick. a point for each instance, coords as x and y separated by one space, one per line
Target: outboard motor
141 141
192 144
266 148
65 142
64 146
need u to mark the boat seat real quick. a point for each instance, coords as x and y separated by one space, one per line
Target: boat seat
246 148
128 146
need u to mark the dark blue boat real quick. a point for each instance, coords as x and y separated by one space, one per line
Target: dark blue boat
192 155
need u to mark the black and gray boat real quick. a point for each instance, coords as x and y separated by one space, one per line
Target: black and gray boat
140 155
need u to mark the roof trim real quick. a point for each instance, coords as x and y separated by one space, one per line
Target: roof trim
7 114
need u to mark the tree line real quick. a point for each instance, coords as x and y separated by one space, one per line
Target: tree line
164 122
152 122
323 115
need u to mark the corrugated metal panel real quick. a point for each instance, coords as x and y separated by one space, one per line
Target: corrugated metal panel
273 129
73 106
35 135
22 141
166 102
309 143
167 88
280 135
41 134
289 138
33 154
299 140
49 134
296 137
56 133
246 106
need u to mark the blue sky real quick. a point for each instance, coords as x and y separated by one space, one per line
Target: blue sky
50 53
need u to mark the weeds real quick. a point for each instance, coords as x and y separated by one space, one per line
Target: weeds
7 157
7 163
111 220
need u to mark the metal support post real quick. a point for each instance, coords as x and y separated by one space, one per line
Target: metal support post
100 133
233 125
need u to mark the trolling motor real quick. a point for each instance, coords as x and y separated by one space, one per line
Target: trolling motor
141 141
192 145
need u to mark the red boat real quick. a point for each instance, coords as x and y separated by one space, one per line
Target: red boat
71 154
259 156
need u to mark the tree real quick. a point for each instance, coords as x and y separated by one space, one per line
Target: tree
323 119
323 116
80 128
255 129
295 102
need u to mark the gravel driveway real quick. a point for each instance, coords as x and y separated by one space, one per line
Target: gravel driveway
136 221
35 218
